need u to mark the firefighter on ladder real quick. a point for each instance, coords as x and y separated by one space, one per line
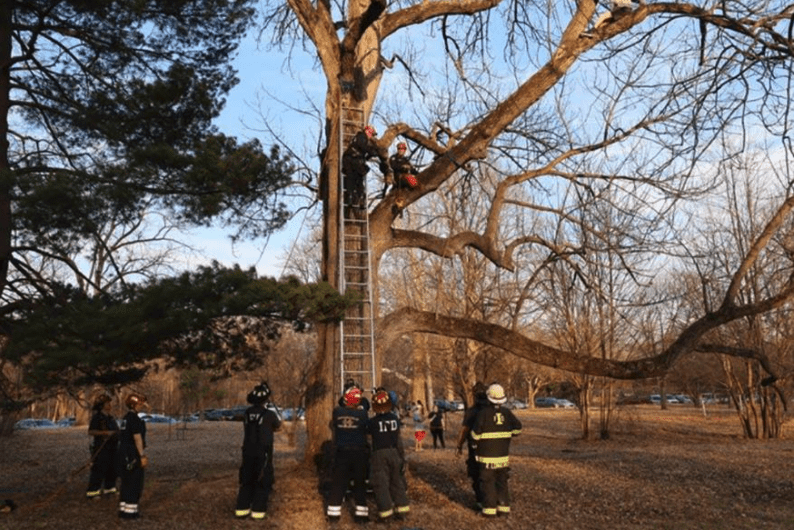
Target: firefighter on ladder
362 148
492 431
256 472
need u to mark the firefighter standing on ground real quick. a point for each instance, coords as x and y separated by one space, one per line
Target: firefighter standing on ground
105 430
472 467
256 472
492 430
132 457
388 460
349 424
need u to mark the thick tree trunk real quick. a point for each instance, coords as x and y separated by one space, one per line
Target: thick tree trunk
5 106
319 397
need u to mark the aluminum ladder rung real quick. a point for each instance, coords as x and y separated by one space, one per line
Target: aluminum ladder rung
357 338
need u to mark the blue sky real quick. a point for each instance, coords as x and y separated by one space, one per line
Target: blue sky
247 106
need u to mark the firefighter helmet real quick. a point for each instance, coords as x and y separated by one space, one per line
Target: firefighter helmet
134 400
402 146
259 394
353 396
496 394
479 389
100 401
370 130
381 402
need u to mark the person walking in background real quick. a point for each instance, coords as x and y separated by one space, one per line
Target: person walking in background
437 426
480 400
388 459
420 431
349 425
492 431
256 472
105 430
132 457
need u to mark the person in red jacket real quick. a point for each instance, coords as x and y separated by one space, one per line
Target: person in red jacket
492 431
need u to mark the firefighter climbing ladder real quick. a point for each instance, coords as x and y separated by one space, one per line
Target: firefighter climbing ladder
357 336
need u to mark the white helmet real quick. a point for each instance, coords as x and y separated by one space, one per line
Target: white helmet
496 394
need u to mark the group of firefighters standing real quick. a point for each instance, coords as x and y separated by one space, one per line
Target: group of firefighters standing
488 428
118 451
368 449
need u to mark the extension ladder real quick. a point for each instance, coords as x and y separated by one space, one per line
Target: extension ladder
357 334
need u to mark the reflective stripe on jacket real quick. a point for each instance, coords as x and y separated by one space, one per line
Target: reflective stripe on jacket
492 430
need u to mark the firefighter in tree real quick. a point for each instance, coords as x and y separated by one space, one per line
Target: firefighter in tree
105 430
492 431
256 472
404 173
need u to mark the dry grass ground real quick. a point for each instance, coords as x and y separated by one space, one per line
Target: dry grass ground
660 470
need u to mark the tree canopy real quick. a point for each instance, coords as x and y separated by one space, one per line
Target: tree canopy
580 146
106 108
218 319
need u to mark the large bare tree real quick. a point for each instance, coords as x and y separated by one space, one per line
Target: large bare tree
536 93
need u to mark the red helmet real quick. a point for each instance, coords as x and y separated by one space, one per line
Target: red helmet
370 130
133 400
353 397
381 402
402 146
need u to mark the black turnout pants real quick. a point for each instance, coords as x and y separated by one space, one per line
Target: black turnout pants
494 487
349 464
103 469
256 482
131 487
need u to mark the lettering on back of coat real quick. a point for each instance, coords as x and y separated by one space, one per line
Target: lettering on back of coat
387 425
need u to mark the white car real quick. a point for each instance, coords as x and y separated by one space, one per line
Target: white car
565 404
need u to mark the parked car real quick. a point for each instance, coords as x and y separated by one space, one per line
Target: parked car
235 413
633 400
565 404
448 406
291 414
546 402
213 414
66 422
35 423
156 418
516 404
189 418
